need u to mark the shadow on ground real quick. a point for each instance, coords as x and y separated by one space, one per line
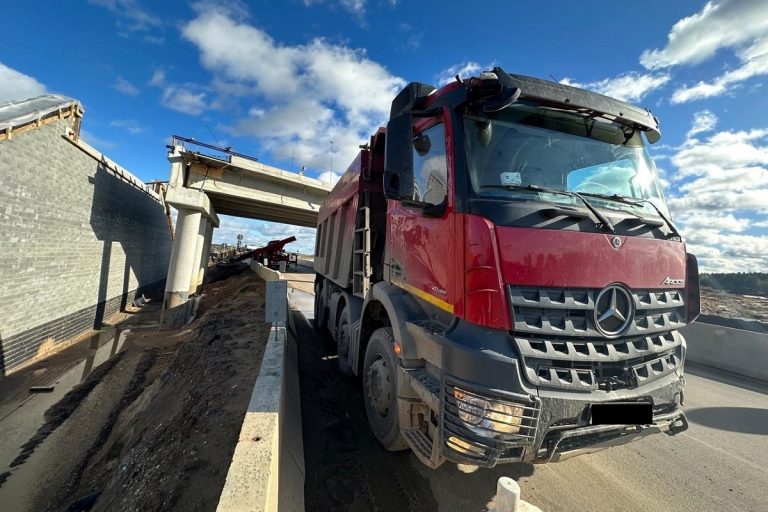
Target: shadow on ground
747 420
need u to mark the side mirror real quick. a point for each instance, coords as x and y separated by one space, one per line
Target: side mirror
398 158
692 292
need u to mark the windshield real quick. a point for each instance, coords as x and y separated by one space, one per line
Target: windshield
525 145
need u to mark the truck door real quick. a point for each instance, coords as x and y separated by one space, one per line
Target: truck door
421 245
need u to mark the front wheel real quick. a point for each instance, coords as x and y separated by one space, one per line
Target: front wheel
380 389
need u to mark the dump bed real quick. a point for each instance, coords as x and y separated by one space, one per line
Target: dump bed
336 225
355 204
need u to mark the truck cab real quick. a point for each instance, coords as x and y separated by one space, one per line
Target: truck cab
500 269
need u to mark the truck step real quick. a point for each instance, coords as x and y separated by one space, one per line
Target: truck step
425 385
420 444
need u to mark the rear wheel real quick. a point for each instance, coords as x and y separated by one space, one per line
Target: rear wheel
380 390
343 336
319 307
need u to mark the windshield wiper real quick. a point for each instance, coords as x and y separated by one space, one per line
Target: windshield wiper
637 202
604 222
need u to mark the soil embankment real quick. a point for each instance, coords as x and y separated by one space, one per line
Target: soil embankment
749 312
155 428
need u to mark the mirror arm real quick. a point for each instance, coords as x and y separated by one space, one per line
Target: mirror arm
428 209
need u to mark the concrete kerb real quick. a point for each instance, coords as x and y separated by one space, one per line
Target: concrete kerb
265 273
267 468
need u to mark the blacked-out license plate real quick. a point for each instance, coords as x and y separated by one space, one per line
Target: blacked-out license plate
622 413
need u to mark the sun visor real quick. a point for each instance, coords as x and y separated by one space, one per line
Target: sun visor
575 98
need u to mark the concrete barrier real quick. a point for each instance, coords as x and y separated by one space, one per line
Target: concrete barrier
265 273
733 350
267 469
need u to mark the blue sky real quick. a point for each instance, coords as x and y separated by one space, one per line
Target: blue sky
280 80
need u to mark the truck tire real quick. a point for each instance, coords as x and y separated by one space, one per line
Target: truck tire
319 308
380 390
343 337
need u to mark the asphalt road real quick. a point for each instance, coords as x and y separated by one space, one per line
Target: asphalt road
719 464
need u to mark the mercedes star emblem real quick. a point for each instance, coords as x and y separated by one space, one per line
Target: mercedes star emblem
614 311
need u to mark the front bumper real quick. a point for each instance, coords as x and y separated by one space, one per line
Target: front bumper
579 441
556 423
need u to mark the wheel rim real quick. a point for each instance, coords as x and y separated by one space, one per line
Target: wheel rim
379 387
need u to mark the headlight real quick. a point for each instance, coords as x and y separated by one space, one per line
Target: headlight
472 408
505 418
488 417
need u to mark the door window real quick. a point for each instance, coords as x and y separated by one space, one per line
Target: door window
430 169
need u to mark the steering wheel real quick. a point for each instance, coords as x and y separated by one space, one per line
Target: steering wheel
583 184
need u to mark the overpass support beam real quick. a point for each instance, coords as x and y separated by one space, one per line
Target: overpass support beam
177 307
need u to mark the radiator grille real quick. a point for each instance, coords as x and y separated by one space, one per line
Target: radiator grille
570 312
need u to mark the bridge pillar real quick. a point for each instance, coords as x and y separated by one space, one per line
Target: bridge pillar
203 250
184 262
196 220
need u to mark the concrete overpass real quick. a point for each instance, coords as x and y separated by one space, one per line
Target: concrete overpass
201 186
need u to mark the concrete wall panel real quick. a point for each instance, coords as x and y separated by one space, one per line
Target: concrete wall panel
733 350
76 242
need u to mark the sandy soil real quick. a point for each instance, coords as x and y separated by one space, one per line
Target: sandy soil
155 427
731 305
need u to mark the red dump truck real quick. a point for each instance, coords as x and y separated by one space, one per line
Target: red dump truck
500 269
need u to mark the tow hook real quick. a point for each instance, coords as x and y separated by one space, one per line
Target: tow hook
678 426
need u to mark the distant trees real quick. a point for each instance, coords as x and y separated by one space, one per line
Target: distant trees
754 283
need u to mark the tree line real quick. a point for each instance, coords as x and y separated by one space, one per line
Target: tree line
754 283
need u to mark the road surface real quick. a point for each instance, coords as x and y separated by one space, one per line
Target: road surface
719 464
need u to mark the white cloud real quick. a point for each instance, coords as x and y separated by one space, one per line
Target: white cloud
722 151
698 220
722 187
158 78
130 15
464 70
190 99
409 37
629 86
15 85
356 7
329 177
740 25
720 24
183 99
299 98
124 86
131 126
754 61
703 122
719 252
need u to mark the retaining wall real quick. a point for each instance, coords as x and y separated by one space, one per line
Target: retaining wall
77 241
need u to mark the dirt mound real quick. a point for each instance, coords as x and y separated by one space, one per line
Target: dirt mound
169 439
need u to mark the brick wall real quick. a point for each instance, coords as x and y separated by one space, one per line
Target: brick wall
76 243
